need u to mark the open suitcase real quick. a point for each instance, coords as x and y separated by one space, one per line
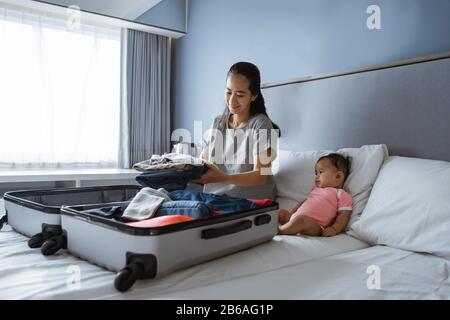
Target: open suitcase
144 253
36 213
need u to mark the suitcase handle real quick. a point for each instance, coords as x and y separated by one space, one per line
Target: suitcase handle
219 232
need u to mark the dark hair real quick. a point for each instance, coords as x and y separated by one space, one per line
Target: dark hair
339 161
251 72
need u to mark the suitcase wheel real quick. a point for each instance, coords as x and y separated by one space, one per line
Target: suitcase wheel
36 241
48 231
127 277
52 245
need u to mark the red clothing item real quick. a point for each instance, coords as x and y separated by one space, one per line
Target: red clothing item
261 202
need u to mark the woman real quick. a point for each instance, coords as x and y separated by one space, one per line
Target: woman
242 143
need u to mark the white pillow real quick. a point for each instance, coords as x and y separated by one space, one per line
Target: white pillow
409 207
365 166
294 174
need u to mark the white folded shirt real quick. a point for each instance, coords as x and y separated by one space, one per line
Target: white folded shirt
145 204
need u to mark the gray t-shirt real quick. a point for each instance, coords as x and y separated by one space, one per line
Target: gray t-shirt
233 151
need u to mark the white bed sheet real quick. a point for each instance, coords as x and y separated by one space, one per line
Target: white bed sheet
26 274
403 275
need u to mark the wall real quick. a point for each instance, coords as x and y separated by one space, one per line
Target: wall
293 38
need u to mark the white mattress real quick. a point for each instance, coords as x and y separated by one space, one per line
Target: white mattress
403 275
26 274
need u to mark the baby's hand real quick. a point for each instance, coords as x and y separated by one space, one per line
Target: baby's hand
329 232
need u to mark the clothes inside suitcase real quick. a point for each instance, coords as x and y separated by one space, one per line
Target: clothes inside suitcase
145 253
36 213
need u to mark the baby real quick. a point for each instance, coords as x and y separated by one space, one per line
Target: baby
328 207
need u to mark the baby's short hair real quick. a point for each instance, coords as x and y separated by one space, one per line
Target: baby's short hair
341 162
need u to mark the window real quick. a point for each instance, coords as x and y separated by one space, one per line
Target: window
59 93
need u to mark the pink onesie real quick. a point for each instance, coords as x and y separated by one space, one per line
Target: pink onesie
323 204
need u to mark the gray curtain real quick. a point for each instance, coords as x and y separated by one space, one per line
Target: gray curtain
145 127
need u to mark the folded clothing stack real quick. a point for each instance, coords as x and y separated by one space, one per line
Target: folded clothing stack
170 171
171 180
168 161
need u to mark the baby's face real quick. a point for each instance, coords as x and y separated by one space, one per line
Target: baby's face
327 175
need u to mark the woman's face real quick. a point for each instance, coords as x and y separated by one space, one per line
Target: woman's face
238 96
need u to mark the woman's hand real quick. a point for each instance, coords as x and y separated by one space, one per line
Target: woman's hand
213 175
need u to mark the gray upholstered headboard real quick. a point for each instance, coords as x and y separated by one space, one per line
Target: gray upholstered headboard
404 105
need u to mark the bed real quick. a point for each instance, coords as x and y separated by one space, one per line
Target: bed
48 277
396 245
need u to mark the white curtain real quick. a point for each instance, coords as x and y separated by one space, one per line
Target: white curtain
59 92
